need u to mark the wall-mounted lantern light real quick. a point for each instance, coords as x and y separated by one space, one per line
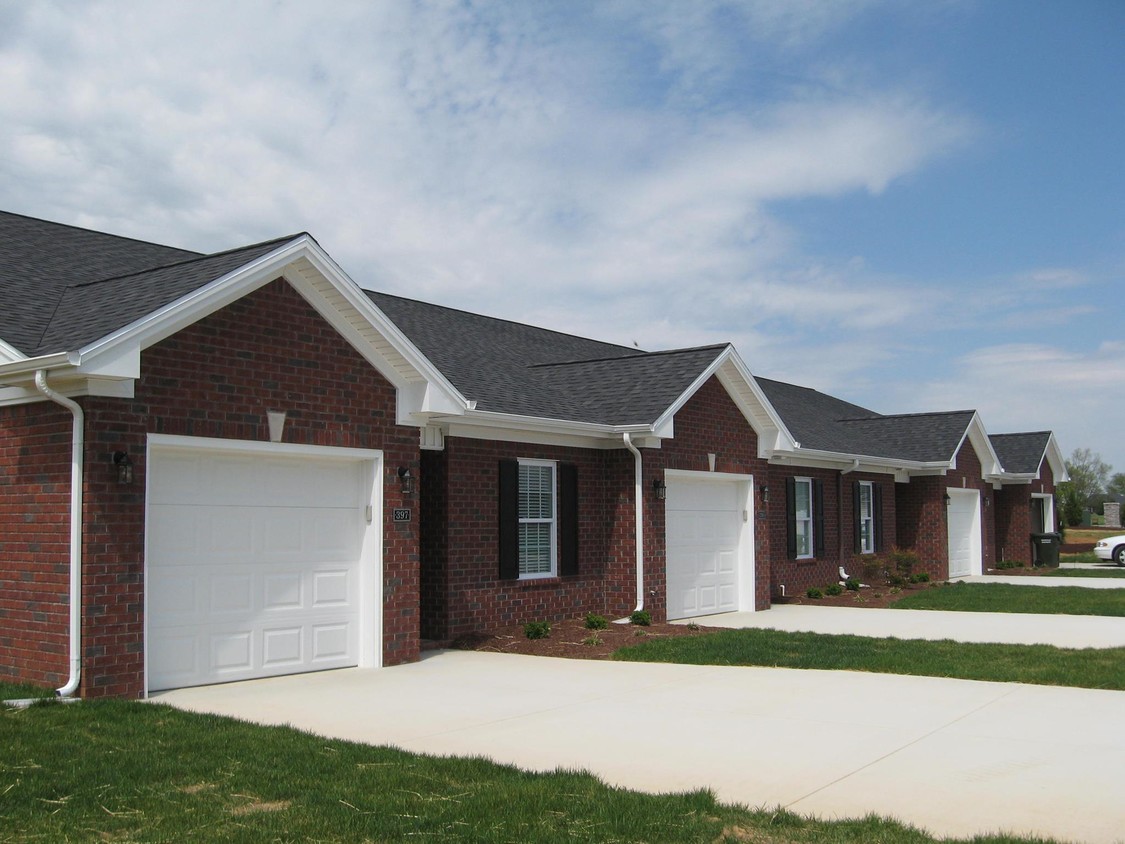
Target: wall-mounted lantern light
407 480
124 467
659 489
765 494
946 499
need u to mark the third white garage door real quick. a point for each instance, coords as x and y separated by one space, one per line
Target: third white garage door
258 562
709 564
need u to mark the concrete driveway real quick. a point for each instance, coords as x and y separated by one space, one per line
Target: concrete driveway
956 757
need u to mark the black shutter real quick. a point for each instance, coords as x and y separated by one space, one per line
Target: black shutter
791 517
857 514
568 519
877 512
509 520
818 517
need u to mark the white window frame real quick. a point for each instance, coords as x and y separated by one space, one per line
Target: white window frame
867 540
808 522
552 521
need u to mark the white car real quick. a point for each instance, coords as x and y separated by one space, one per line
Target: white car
1111 548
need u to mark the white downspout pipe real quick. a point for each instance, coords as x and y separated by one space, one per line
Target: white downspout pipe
76 449
639 518
852 468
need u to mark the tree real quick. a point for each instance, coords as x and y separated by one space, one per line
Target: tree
1069 504
1089 474
1116 485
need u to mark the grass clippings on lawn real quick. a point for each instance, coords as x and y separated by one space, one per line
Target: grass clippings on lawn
127 771
1091 668
1009 597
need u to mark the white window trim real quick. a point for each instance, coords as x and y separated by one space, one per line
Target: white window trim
553 521
811 520
867 546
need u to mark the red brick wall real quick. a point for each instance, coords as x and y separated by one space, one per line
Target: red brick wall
1013 516
923 521
463 592
34 543
839 529
217 378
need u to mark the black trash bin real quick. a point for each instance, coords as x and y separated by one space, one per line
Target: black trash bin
1045 549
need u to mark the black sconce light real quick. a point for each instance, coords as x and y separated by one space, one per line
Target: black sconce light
765 494
946 499
659 489
124 467
407 480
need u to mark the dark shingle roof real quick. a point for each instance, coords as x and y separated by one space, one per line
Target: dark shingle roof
1021 453
39 259
824 423
509 367
64 287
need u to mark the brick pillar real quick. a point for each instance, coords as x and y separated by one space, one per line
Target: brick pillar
1112 514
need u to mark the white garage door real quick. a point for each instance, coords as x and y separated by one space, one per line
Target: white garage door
253 563
704 534
964 532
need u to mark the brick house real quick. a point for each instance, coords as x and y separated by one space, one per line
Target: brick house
219 467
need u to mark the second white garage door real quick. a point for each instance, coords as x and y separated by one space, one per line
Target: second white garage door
707 548
256 561
964 532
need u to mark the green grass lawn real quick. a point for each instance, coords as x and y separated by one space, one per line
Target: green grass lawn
1113 572
1092 668
127 771
1005 597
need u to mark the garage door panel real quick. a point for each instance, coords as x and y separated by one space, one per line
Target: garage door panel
255 572
704 530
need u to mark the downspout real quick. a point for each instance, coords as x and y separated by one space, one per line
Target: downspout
639 517
76 447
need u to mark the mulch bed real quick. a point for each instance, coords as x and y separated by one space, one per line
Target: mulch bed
570 639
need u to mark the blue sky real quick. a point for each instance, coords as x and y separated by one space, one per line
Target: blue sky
912 206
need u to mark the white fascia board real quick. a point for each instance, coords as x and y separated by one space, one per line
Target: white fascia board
978 436
490 425
23 371
10 354
441 395
1054 457
835 460
733 373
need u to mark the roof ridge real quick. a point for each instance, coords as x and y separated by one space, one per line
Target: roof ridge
1021 434
196 259
907 415
501 319
97 232
640 353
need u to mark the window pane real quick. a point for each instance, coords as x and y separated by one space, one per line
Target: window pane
536 488
802 490
535 548
804 540
865 501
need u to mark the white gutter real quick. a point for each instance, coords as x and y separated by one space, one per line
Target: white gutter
76 446
852 468
639 507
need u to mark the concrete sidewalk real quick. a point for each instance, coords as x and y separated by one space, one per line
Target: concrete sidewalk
1064 631
1032 580
955 757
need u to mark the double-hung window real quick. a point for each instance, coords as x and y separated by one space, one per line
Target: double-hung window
538 525
804 515
537 517
865 523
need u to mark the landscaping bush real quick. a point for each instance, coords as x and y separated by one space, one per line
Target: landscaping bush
903 561
920 577
814 593
834 589
537 630
640 617
596 622
874 568
851 584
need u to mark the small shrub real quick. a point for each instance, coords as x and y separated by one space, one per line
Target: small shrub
873 569
596 622
896 580
640 617
903 561
851 584
834 589
537 630
592 640
692 626
640 632
920 577
814 593
894 590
